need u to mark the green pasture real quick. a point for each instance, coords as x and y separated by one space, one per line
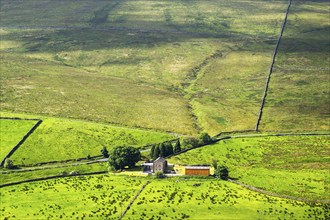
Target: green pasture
84 197
63 139
298 97
11 132
296 166
185 198
52 171
106 196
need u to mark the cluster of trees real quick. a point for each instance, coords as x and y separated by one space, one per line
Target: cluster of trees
203 139
164 149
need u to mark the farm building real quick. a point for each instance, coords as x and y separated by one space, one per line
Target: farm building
197 170
160 164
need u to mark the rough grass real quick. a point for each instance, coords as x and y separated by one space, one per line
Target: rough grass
131 67
180 198
298 97
68 92
62 139
11 132
228 94
296 166
85 197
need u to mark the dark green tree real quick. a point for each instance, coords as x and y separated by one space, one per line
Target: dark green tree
162 150
105 152
222 172
156 152
124 156
177 147
152 151
168 149
205 138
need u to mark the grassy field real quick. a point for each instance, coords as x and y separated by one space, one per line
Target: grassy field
134 63
105 196
20 176
298 97
63 139
11 132
181 198
85 197
296 166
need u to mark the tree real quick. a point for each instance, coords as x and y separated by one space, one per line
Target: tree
9 164
177 147
205 138
152 151
124 156
190 142
222 172
168 148
156 152
105 152
162 150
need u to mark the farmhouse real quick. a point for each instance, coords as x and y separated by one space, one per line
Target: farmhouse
197 170
160 164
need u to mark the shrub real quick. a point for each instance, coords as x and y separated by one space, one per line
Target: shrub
159 175
222 173
9 164
190 142
205 138
105 152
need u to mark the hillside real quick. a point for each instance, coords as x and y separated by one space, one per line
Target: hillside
254 74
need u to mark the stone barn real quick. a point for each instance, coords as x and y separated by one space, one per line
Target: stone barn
197 170
160 164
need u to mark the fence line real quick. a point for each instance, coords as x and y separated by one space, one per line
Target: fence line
22 140
132 201
271 67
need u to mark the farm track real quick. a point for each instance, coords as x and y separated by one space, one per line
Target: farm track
35 168
51 177
272 66
276 194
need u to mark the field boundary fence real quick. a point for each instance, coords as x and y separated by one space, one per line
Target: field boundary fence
25 137
51 177
272 66
133 200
